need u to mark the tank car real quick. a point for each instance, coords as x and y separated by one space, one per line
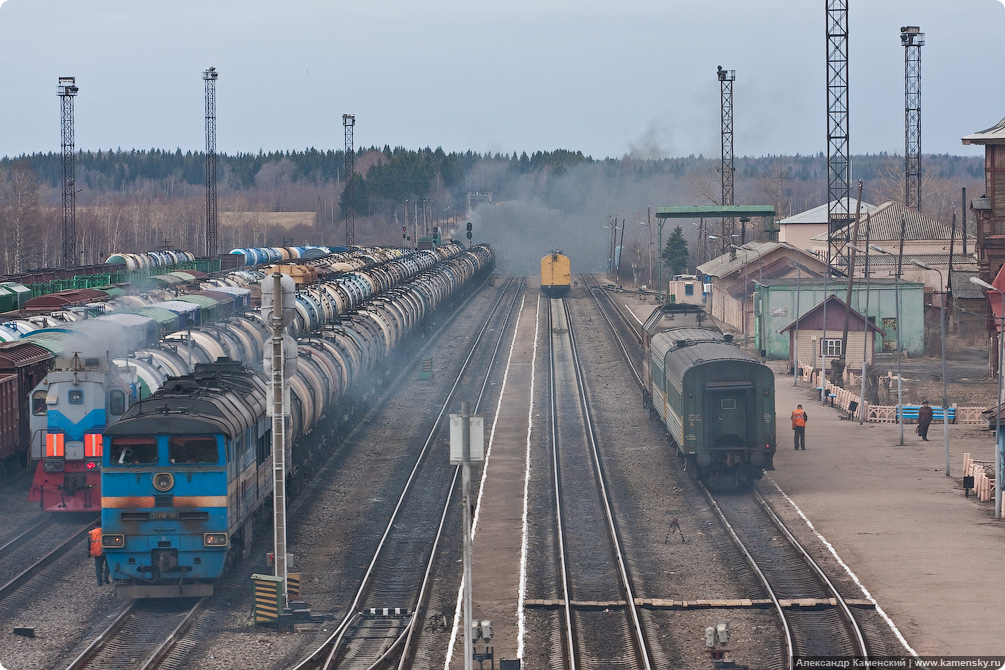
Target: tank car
185 471
555 275
716 400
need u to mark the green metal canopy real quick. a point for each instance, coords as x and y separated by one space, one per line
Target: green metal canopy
714 211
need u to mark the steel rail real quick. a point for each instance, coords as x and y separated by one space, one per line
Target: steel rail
99 642
818 571
598 463
786 631
638 634
165 647
43 562
570 633
12 544
328 650
614 330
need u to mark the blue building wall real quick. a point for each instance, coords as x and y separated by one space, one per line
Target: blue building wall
775 307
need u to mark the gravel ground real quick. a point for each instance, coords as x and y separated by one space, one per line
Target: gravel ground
649 490
339 519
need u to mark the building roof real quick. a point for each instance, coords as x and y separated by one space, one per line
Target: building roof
884 226
818 214
779 269
833 302
727 264
963 288
993 135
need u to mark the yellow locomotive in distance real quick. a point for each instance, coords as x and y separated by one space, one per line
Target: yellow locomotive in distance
555 275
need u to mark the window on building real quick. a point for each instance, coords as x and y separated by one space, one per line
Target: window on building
688 289
830 347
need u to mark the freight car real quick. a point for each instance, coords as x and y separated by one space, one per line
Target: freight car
716 400
22 366
186 472
555 275
67 471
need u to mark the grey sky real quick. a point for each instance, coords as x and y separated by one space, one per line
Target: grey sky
606 78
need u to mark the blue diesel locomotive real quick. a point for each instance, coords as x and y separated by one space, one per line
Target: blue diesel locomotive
167 518
187 472
716 400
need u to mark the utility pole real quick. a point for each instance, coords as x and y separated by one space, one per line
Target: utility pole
67 91
912 39
349 123
838 156
209 76
726 79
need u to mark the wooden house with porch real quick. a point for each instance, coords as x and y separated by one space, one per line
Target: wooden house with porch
817 335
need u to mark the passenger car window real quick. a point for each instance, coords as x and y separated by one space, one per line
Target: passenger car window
133 451
201 449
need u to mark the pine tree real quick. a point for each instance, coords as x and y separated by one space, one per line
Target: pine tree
675 253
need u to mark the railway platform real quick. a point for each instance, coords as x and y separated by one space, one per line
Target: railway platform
930 557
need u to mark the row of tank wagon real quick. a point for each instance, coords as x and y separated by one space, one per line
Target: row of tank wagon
70 482
24 365
186 471
43 281
716 401
132 268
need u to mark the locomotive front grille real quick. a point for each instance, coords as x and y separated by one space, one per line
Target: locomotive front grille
164 501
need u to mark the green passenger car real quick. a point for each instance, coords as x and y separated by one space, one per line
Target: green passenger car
716 400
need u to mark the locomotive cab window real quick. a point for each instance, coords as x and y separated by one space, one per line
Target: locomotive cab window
200 450
117 402
38 406
133 451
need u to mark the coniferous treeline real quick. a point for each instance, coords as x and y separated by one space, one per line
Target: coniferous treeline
136 200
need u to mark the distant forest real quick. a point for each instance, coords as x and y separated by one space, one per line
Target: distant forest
142 200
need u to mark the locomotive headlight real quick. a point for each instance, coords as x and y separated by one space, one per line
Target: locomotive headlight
214 539
52 466
163 481
113 541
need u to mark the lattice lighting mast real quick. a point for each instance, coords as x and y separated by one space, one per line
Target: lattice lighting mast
212 225
912 40
67 91
726 79
838 157
349 122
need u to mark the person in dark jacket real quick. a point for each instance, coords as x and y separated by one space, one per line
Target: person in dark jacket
924 420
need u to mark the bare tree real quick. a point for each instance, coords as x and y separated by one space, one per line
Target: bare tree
19 191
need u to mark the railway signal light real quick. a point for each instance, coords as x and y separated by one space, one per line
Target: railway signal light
469 226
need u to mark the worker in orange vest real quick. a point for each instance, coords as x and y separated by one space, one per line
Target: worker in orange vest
799 418
100 561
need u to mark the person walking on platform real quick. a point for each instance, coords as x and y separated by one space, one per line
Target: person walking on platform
799 418
924 420
100 560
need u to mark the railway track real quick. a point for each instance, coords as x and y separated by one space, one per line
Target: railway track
380 625
780 564
592 564
37 547
815 618
140 637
